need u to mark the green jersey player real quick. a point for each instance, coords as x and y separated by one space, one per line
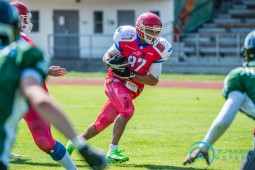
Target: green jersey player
23 68
239 91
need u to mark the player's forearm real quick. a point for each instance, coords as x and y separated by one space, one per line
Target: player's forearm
224 118
146 79
106 56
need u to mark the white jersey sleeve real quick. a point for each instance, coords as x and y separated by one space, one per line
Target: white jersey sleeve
113 50
124 33
163 47
155 69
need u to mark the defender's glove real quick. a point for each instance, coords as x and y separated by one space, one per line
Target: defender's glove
93 157
124 74
118 62
191 158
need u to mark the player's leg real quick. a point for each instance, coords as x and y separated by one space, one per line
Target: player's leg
105 118
248 108
41 133
254 139
8 128
121 98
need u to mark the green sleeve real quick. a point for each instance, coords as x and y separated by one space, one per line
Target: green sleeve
234 82
35 59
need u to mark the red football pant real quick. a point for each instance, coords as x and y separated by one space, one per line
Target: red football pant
119 102
40 129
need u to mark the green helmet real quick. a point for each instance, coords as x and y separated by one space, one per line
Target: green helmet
248 50
9 31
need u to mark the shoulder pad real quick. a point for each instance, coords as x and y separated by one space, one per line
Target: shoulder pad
124 33
163 47
33 57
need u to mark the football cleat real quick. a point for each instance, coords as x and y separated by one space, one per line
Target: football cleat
116 157
14 156
70 148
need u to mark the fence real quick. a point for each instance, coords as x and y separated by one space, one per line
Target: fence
208 48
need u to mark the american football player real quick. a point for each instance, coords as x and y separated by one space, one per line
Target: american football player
39 128
135 59
239 91
23 68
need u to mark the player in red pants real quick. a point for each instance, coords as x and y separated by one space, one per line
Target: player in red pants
135 60
39 128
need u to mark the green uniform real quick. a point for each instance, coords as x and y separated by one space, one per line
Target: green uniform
16 60
242 79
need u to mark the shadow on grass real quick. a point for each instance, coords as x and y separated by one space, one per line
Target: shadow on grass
46 164
153 167
28 162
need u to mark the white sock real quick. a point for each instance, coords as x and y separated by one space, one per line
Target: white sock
78 142
112 148
67 162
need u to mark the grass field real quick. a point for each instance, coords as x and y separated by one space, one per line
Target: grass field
166 123
187 77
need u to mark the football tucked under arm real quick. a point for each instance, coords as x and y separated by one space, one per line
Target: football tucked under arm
124 73
117 62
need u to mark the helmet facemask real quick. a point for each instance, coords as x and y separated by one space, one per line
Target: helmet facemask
149 38
248 50
25 23
249 56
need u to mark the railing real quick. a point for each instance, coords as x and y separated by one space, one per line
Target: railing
88 46
208 48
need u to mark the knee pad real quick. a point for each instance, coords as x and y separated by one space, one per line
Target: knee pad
127 107
44 143
104 120
41 133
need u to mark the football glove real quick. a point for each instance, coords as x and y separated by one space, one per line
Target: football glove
118 62
191 158
124 74
93 157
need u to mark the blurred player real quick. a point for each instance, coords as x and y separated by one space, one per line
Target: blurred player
135 59
23 69
39 128
239 91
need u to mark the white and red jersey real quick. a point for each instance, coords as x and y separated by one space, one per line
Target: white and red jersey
139 57
25 38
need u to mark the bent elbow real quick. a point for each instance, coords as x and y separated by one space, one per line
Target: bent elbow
154 83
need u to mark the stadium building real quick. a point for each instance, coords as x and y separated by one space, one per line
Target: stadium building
206 34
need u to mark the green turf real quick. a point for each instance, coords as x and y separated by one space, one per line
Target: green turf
188 77
166 122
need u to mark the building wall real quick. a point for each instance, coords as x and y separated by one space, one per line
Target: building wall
86 9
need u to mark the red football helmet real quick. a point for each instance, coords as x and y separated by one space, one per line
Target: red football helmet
148 21
24 17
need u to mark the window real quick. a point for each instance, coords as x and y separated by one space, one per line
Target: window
98 22
35 21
